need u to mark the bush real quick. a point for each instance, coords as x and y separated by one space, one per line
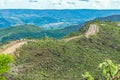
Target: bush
4 65
110 71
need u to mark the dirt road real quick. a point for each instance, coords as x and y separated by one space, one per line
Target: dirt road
11 48
71 38
93 29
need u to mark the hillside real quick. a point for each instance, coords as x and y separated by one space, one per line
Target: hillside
115 18
6 33
32 31
51 59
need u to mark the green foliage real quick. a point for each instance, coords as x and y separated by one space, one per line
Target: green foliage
109 69
2 78
87 76
4 64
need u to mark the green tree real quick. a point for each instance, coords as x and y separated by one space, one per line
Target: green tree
4 65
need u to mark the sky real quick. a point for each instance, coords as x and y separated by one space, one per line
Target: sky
59 4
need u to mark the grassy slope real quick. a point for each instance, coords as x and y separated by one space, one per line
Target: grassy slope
51 59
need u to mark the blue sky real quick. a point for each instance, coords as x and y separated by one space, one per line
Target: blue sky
59 4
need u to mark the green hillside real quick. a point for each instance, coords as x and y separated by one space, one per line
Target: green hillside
32 31
7 32
51 59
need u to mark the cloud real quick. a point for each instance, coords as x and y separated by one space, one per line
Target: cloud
60 4
33 0
84 0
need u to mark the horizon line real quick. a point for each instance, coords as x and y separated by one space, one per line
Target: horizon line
52 9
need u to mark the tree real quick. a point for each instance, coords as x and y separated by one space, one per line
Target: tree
4 65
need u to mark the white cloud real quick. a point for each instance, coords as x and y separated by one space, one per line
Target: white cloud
60 4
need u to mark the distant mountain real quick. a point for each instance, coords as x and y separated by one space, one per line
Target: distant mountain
115 18
50 19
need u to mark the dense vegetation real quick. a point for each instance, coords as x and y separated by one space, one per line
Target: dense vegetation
4 65
51 59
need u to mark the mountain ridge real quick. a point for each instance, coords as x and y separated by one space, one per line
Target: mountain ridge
115 18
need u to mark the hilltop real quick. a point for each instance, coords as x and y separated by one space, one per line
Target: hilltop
51 59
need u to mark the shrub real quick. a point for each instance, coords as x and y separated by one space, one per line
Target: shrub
4 65
109 69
